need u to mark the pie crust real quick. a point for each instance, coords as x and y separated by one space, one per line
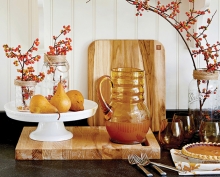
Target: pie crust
202 150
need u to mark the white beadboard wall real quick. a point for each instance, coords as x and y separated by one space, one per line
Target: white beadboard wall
22 21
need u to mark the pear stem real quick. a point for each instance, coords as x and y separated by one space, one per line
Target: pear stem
59 116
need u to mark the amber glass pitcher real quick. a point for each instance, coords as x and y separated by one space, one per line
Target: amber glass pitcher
127 116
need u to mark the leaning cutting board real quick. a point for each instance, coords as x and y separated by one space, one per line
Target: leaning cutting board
103 55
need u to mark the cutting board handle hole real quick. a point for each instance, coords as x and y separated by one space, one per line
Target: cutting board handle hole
145 143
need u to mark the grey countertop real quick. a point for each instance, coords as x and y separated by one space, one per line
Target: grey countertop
9 167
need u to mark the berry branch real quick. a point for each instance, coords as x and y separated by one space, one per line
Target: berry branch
26 59
169 12
61 47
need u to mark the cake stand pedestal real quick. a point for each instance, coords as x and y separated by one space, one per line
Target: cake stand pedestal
51 131
49 127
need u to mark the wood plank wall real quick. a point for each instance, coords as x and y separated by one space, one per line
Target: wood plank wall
22 21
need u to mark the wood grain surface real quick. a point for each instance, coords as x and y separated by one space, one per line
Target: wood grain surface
88 142
103 55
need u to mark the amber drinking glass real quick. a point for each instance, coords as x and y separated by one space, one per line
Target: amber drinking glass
171 134
188 125
209 131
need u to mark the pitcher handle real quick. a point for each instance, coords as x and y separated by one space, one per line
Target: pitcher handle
104 105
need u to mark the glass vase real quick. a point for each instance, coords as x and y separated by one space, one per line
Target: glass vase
203 96
24 90
56 68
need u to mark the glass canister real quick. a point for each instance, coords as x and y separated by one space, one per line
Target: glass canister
56 68
24 90
203 96
127 116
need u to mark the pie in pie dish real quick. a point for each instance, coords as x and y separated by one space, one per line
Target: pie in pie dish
202 150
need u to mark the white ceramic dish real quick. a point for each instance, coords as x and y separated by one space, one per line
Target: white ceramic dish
49 127
193 166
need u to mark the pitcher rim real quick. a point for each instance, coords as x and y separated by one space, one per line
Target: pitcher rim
126 69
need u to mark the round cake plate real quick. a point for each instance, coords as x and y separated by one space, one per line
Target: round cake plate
49 127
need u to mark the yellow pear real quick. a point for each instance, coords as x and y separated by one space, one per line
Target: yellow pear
39 104
77 100
60 99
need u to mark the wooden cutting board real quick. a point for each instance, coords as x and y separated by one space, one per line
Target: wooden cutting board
143 54
88 143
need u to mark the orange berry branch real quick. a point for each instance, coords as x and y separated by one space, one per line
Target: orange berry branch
61 47
169 12
26 59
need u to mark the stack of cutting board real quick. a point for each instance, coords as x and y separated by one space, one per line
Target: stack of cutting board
88 143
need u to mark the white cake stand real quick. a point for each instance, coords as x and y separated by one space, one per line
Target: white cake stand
49 128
